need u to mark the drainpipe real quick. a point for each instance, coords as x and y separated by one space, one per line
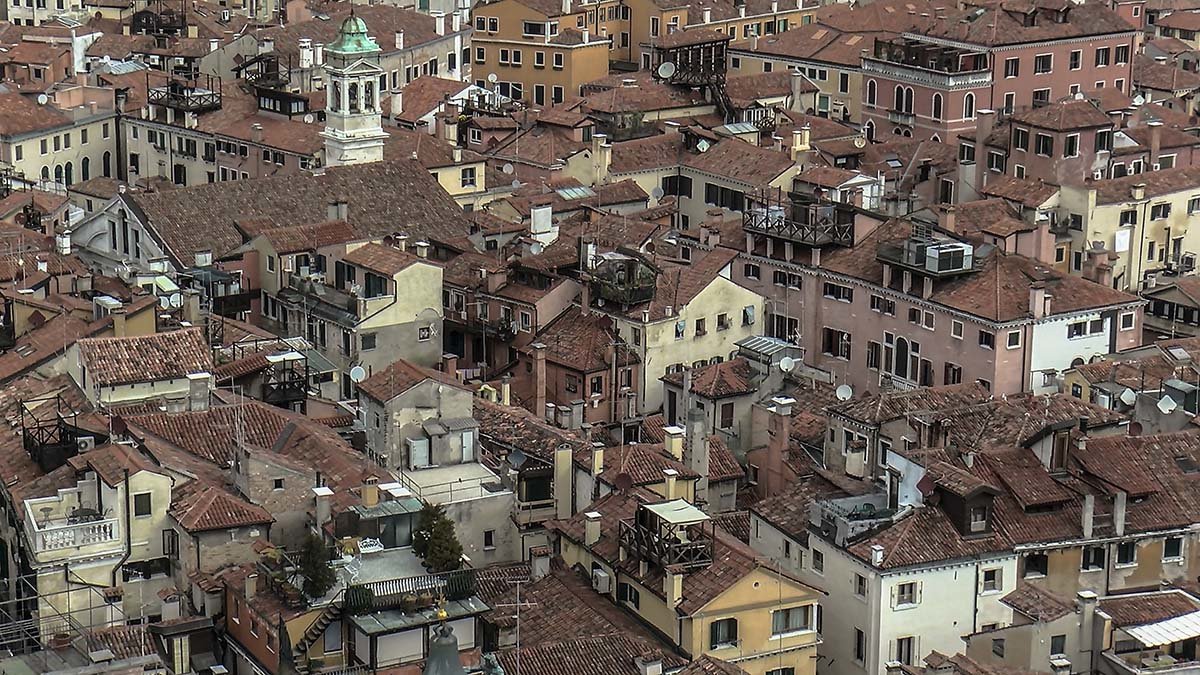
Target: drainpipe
128 541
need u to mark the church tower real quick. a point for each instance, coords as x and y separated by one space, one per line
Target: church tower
353 117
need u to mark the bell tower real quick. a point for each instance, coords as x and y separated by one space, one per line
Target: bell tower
353 117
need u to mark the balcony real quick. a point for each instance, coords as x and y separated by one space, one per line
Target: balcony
1149 661
842 520
625 281
915 74
669 534
453 483
186 97
411 594
65 536
530 513
797 218
901 117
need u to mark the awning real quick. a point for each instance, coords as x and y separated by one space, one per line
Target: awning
1175 629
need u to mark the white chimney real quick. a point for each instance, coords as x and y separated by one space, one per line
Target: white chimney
204 258
62 242
591 528
440 23
306 53
399 39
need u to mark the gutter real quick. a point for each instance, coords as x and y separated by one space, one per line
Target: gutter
128 541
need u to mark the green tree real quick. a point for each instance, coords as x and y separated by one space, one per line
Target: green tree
443 551
318 574
429 515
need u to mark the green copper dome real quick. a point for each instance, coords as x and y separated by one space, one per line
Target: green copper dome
352 38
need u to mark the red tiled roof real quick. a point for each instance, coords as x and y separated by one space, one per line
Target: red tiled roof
1038 604
1142 608
149 358
1064 116
386 260
208 507
735 377
297 238
400 376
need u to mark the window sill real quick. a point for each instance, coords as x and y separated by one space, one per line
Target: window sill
1125 566
1034 575
792 633
1092 569
991 592
1175 560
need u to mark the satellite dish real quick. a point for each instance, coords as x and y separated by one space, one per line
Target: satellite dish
176 300
358 374
308 118
787 364
844 392
623 481
492 78
163 302
657 193
43 99
536 247
666 70
703 145
507 168
1128 397
1167 405
516 458
860 142
516 184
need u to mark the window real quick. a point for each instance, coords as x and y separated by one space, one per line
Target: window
1036 565
1121 55
368 341
752 271
995 161
467 177
991 581
1102 54
871 92
1076 59
904 650
835 343
722 633
489 540
839 292
1129 217
952 374
1021 138
1071 145
1093 558
1012 67
1127 553
987 340
142 505
906 593
1160 211
1173 548
860 585
1058 644
874 355
979 519
1043 63
277 484
1014 339
1044 145
493 24
791 620
969 106
727 415
883 305
1103 140
966 152
998 647
936 107
558 60
748 315
956 329
927 320
860 645
628 595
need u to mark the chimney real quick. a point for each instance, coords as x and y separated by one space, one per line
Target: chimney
707 15
324 499
673 586
797 94
256 132
506 389
370 495
251 585
170 607
671 479
649 664
601 157
696 451
455 22
876 555
399 40
1039 300
779 429
1138 192
597 459
1119 504
1087 601
422 249
539 562
450 364
203 258
337 210
674 441
1088 515
947 218
440 23
801 141
213 45
564 471
985 119
577 408
591 528
539 379
198 385
566 7
62 242
1155 141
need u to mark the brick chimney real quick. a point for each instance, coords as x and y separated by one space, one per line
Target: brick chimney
779 430
539 379
696 451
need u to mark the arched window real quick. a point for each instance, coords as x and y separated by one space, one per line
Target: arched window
369 96
106 164
900 363
898 99
969 106
869 127
352 104
870 92
69 174
907 133
936 139
908 100
335 100
85 169
58 174
936 112
45 173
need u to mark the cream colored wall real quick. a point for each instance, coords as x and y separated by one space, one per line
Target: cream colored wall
129 393
32 160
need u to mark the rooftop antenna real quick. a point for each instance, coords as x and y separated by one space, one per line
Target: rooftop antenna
517 615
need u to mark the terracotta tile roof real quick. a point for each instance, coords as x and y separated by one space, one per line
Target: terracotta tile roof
386 260
208 507
740 161
927 535
1110 99
111 461
736 523
607 195
961 664
1142 608
645 154
45 342
1017 419
1169 137
897 16
426 211
1180 20
911 153
722 463
582 342
612 95
1064 116
958 482
678 284
735 377
690 36
814 42
989 216
125 642
710 665
540 146
1001 23
20 115
643 463
509 427
297 238
210 434
431 152
746 90
425 94
149 358
1038 604
1158 183
827 176
1022 191
606 655
997 291
884 406
400 376
1163 76
1169 45
494 581
788 511
383 20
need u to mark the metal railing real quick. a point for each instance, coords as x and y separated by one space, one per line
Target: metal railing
416 593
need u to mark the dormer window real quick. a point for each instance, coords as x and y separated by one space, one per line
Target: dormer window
980 516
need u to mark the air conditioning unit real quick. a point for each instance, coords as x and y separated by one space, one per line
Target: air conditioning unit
601 582
1155 166
85 443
